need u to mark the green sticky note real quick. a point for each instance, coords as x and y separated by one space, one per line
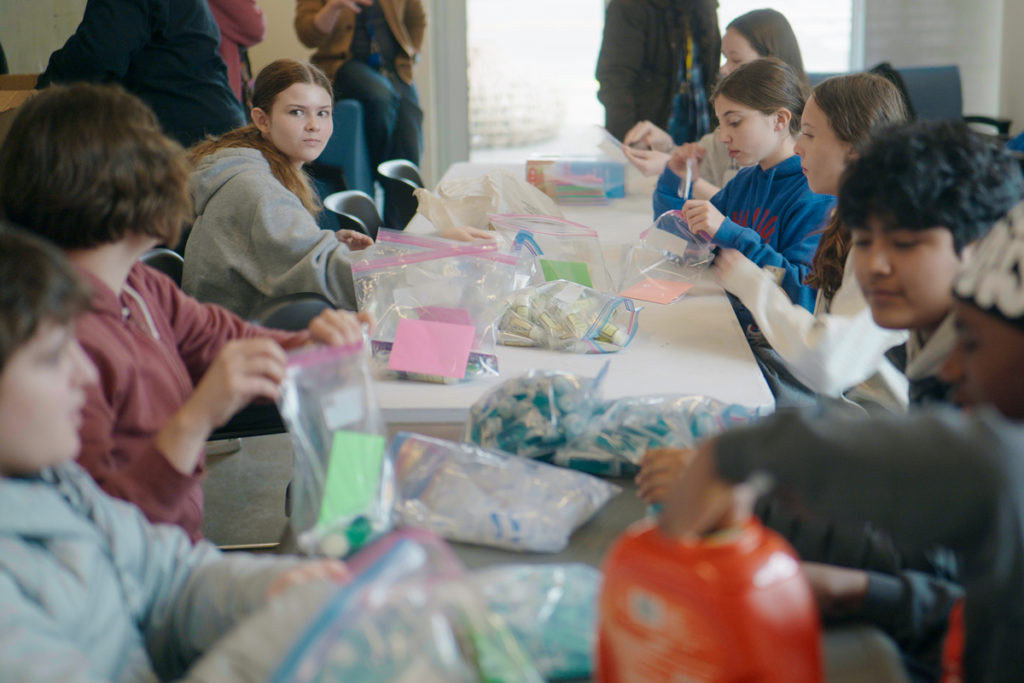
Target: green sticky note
574 271
353 474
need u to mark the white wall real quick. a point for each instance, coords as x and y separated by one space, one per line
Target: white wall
1011 100
31 29
932 32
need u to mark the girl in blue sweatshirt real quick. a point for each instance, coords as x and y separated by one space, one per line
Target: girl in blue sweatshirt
767 211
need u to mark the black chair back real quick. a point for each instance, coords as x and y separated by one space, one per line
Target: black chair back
165 260
356 211
400 179
292 312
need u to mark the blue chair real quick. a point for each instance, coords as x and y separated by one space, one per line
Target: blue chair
935 93
345 161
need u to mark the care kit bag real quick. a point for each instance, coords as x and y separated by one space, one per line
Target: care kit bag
436 310
533 415
566 316
469 494
468 201
551 609
666 262
408 614
342 491
562 250
621 431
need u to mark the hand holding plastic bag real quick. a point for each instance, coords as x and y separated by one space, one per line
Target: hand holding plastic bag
343 485
668 253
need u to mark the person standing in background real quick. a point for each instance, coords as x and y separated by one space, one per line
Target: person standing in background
367 48
163 51
242 24
658 62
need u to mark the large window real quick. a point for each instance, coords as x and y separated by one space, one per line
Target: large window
532 62
824 28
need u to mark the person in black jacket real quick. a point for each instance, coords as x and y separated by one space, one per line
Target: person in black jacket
163 51
659 62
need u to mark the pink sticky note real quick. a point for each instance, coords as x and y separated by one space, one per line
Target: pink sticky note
431 347
657 291
444 314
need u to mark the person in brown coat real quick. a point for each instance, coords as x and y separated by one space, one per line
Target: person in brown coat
367 47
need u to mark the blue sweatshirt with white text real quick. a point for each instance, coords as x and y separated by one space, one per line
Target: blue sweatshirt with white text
771 216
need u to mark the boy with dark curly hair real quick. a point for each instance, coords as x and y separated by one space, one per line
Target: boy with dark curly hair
914 202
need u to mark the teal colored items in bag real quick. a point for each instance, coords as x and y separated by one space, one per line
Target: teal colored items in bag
552 611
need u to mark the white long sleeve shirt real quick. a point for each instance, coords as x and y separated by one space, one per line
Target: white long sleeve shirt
838 350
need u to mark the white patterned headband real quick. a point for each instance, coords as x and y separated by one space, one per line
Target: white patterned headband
993 277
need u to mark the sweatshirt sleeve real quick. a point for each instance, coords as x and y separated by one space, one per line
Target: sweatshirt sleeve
619 66
183 596
933 478
828 352
147 479
415 23
305 27
666 193
800 237
32 646
101 48
903 474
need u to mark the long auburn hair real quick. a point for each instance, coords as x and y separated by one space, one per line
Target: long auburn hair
855 105
271 81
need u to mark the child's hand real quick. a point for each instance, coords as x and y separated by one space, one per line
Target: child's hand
700 501
649 162
338 328
316 570
658 469
726 263
839 591
703 217
356 241
645 135
677 160
466 233
244 369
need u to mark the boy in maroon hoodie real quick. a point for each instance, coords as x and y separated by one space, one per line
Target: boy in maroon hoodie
88 167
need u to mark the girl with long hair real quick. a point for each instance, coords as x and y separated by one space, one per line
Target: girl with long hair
255 236
767 211
838 351
756 34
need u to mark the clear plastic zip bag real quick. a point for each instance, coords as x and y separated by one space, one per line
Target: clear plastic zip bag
552 611
431 302
561 249
407 615
566 316
342 491
668 255
621 431
534 414
469 494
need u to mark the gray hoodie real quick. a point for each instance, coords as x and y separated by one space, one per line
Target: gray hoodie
254 240
89 590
